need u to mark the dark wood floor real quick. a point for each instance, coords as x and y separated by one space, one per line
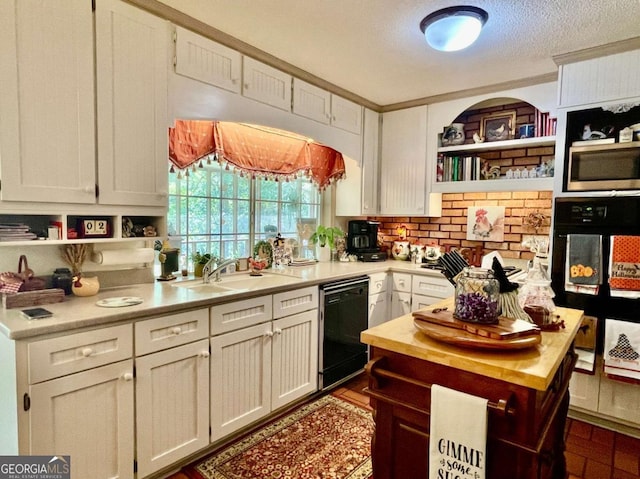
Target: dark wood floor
592 452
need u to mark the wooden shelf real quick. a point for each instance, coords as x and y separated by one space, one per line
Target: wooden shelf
500 145
524 184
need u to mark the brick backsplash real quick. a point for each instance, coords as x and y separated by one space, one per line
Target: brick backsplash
450 229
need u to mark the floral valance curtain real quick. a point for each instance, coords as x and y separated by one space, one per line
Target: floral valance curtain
255 150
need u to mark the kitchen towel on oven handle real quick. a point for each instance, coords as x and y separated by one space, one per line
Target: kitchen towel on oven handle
624 266
583 269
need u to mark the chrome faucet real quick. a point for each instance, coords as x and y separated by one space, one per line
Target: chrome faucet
214 267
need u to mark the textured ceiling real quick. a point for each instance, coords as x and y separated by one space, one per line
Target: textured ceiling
375 49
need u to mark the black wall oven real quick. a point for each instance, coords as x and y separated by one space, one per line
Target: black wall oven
606 216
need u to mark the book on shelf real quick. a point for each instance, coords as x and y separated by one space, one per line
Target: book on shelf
599 141
457 168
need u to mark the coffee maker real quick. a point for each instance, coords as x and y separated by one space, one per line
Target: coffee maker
362 240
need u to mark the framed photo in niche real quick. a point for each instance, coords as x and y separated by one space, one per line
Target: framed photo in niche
498 126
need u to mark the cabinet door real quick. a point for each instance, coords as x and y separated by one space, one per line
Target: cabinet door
620 400
583 391
420 301
89 416
266 84
400 304
378 309
401 282
403 161
132 55
202 59
47 139
370 139
311 102
172 405
240 379
346 115
294 358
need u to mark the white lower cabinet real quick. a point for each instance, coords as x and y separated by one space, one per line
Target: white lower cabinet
604 397
88 416
172 388
81 401
260 368
413 292
172 405
400 304
378 299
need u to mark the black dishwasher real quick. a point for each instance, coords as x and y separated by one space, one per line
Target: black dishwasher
343 316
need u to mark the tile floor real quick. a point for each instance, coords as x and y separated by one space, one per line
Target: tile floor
592 452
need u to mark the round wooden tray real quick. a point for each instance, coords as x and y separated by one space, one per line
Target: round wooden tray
464 339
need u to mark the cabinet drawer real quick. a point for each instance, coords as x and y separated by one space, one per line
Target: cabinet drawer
168 331
52 358
377 283
421 301
432 286
401 282
296 301
240 314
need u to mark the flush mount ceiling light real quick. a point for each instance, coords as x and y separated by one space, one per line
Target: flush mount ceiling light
453 28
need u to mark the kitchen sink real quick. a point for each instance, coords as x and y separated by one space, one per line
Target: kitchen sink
235 283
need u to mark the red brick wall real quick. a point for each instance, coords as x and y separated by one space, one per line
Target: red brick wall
450 230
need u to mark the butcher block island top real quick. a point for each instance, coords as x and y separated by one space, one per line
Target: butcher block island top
533 367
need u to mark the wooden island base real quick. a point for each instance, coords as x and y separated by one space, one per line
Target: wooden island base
527 390
525 425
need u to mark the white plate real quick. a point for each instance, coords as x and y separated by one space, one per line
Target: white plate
119 302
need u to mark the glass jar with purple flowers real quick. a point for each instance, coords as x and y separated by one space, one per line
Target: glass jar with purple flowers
476 296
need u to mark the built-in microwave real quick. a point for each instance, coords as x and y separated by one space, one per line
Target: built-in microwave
613 166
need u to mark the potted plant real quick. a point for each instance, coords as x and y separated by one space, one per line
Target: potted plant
324 238
199 260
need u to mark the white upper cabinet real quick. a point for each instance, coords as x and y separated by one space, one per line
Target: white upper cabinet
346 115
403 162
370 149
266 84
202 59
311 102
47 139
608 78
132 55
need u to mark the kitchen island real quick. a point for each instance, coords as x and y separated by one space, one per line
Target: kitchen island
527 392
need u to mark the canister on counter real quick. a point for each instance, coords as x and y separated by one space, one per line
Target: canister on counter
62 278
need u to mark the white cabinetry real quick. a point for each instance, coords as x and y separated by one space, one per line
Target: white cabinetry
427 290
403 186
378 299
317 104
346 115
172 388
202 59
266 84
400 294
413 292
132 63
47 139
80 409
266 364
311 102
370 162
602 79
605 398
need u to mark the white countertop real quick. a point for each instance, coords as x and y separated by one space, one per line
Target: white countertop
163 298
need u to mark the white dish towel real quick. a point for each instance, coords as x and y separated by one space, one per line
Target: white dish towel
458 434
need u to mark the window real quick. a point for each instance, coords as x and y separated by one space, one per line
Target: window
218 211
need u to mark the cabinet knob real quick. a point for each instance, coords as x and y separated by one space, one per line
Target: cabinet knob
89 189
127 376
401 282
278 331
176 330
204 354
268 334
86 352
